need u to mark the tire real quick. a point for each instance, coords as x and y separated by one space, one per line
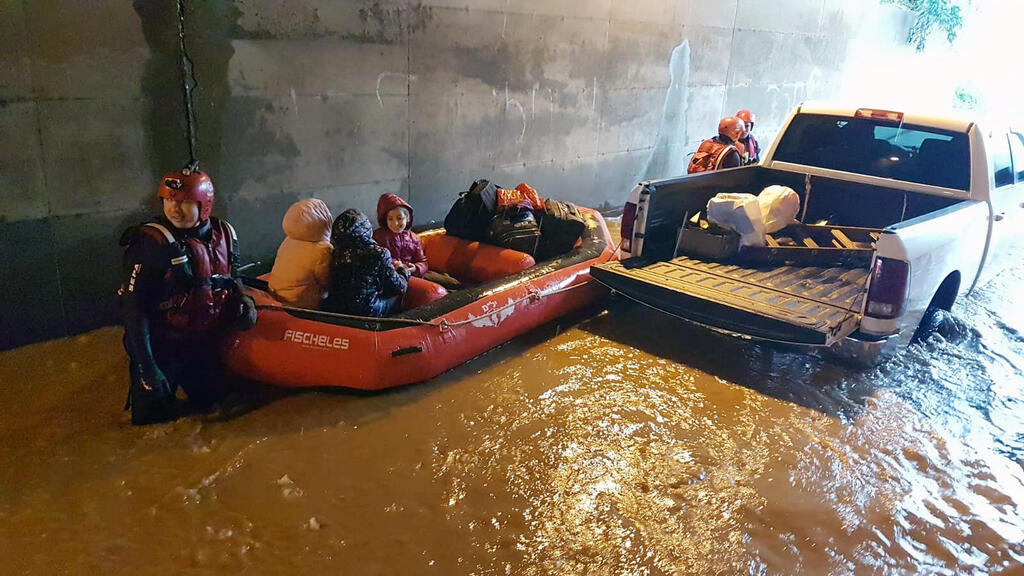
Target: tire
941 322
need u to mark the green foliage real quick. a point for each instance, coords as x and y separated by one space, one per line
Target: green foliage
965 99
931 14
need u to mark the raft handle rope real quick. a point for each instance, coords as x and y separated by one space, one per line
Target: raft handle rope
443 324
534 295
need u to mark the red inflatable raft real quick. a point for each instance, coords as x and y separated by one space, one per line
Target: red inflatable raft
507 294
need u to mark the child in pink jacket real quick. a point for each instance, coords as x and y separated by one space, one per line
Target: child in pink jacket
394 216
301 270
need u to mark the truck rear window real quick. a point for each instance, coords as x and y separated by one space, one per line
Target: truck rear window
878 148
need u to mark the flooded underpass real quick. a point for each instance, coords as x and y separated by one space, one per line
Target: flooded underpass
618 441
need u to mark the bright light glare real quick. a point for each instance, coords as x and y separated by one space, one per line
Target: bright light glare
978 64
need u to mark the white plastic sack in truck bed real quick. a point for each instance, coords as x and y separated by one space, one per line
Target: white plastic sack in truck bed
740 213
779 207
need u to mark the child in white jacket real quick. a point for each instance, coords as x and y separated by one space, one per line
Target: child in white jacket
301 270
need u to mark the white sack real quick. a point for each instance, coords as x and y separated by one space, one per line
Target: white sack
740 213
779 207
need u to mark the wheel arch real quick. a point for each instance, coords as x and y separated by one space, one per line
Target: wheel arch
945 295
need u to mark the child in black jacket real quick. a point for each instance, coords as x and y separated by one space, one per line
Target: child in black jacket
364 281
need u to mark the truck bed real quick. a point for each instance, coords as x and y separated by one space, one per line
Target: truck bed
793 304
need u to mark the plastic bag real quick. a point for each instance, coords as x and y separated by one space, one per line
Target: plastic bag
740 213
530 194
779 207
508 197
524 192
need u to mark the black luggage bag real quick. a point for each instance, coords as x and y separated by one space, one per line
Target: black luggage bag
708 244
470 217
515 229
561 225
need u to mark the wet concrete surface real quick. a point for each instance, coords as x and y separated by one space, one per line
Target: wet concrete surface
617 441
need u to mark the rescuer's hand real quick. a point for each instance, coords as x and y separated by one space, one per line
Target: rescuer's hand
241 314
249 315
152 379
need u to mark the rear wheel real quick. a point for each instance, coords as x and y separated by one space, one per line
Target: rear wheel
942 322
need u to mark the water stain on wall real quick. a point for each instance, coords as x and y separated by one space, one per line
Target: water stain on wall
291 20
258 221
254 148
498 67
666 157
208 26
387 25
373 23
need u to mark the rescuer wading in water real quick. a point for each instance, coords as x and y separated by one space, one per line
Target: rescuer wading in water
178 294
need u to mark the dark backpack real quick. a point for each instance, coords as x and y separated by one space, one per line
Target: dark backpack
708 156
515 229
470 217
488 193
561 225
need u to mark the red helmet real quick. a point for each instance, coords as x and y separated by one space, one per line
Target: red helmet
188 186
747 116
731 127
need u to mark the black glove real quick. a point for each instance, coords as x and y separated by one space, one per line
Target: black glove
247 315
150 397
240 310
152 380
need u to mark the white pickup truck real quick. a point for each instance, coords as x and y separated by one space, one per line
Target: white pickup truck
901 214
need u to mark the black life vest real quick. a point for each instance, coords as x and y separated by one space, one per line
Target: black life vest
198 280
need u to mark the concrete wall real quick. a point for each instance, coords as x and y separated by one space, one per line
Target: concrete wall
345 100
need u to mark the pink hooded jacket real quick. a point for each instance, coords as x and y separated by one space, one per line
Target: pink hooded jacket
301 270
405 245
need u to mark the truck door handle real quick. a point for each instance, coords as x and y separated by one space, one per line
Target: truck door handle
999 217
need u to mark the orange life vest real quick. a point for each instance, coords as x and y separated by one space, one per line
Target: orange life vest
709 156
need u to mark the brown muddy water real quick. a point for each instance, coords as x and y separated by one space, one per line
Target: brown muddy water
617 442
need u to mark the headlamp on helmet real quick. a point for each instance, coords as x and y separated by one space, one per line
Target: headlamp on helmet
188 186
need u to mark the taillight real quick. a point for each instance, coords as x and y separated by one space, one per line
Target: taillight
889 283
887 115
626 230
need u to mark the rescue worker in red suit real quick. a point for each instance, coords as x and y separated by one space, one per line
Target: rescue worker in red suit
722 151
178 295
748 140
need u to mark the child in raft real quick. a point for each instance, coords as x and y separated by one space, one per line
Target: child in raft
364 281
301 272
394 218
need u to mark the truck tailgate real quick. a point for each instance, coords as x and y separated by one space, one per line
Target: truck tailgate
796 304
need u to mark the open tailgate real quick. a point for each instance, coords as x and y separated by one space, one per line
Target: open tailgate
795 304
